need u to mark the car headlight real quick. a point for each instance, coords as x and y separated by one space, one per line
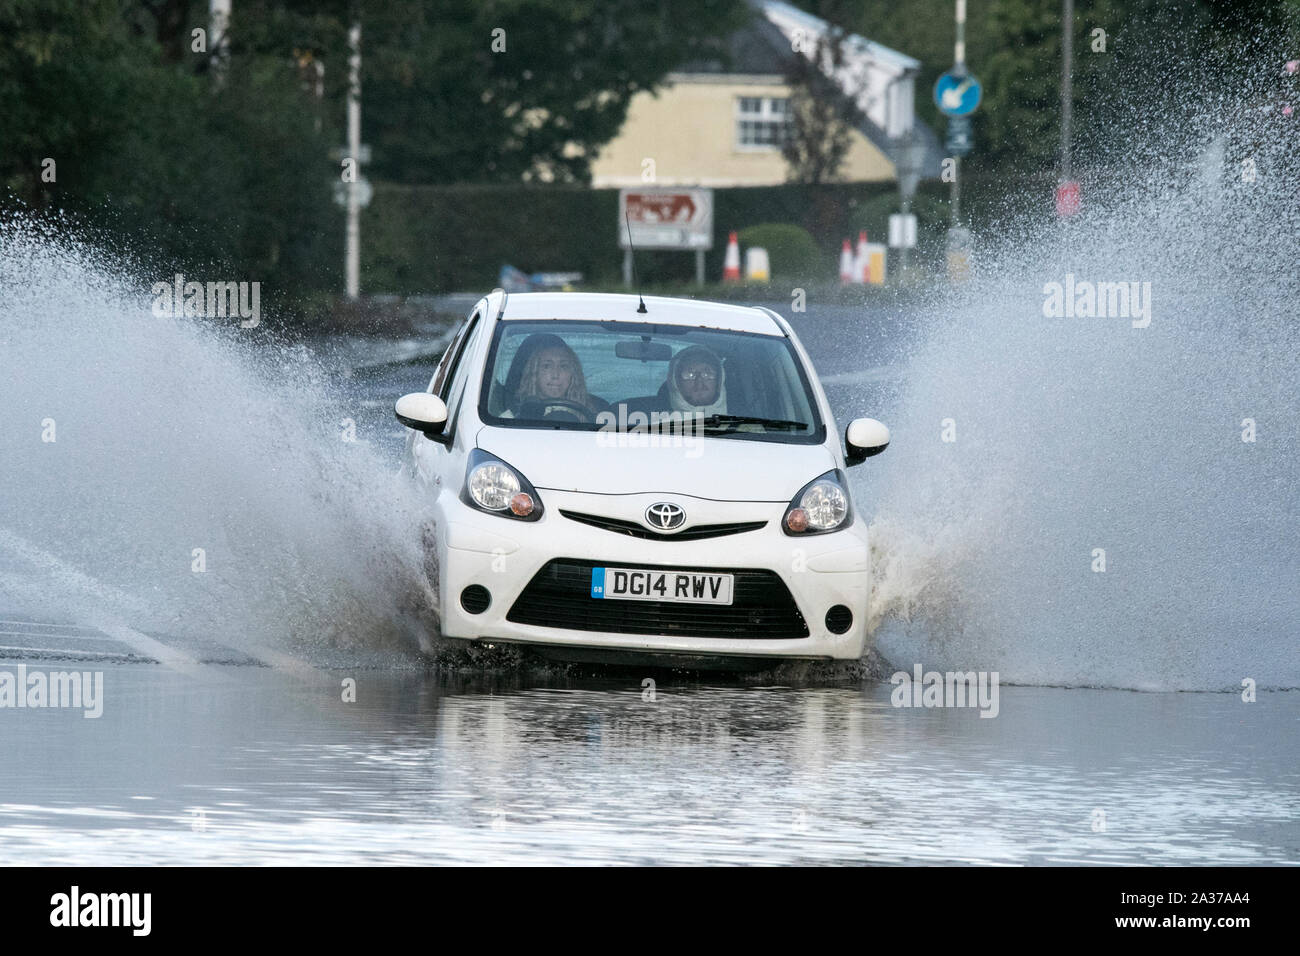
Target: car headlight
492 485
820 506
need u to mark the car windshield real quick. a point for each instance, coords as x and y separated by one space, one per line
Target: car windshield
631 376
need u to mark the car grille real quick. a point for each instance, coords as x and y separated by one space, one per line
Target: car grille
640 531
559 595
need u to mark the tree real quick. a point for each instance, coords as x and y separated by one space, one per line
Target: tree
467 91
821 117
181 174
1161 59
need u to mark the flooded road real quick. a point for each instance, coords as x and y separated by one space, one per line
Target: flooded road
1104 516
227 746
248 764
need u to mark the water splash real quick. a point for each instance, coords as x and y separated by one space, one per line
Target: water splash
197 482
1076 436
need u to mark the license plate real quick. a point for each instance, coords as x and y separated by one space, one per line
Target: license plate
638 584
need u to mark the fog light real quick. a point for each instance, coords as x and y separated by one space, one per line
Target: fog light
839 619
522 504
475 599
797 520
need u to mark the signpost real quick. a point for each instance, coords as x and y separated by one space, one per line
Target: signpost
352 199
957 93
910 162
1067 192
665 218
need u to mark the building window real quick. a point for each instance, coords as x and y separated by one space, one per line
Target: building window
761 121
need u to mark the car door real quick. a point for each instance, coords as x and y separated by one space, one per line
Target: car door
437 463
418 459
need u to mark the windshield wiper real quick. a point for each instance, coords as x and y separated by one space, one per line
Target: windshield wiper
724 421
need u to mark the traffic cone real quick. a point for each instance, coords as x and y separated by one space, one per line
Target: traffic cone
731 264
862 261
846 263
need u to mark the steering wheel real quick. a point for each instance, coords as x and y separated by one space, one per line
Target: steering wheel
549 407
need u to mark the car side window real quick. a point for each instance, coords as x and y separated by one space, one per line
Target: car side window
450 357
461 370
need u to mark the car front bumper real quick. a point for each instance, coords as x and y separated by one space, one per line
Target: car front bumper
505 555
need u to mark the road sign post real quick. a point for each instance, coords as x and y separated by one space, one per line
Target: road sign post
352 230
665 218
957 93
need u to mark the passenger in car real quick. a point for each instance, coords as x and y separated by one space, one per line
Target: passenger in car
695 384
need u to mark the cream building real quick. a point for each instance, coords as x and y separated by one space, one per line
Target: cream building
719 123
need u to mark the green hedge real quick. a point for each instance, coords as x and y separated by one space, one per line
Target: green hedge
422 239
456 238
791 250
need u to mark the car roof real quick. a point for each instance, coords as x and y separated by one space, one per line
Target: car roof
660 310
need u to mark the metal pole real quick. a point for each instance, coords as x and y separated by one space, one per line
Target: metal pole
352 256
218 41
902 253
959 59
1067 57
627 268
959 50
699 268
956 190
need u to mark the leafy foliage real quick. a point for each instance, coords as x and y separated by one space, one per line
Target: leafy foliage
229 171
465 91
821 117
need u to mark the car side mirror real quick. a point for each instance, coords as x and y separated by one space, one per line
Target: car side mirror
423 412
863 438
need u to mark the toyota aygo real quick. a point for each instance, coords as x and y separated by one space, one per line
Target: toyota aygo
613 478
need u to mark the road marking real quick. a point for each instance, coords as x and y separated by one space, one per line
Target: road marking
64 652
75 627
97 636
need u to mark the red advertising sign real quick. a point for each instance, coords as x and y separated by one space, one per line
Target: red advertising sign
666 218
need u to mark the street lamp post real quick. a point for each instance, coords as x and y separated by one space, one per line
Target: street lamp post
352 252
1067 91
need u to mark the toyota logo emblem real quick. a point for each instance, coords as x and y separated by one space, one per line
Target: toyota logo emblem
664 516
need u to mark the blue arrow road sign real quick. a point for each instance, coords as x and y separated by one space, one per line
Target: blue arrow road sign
957 94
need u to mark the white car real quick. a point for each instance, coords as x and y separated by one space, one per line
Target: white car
614 478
